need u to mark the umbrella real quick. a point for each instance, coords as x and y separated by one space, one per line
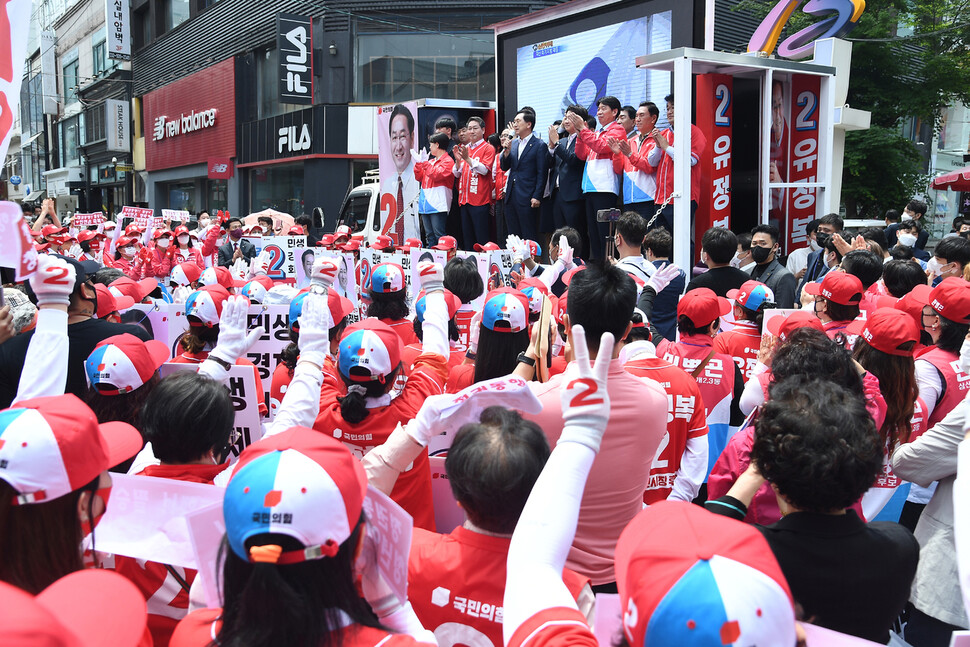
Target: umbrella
954 180
281 221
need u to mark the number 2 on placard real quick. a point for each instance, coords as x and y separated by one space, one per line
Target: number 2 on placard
585 398
57 276
276 258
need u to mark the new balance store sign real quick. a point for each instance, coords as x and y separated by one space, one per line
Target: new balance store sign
220 168
294 39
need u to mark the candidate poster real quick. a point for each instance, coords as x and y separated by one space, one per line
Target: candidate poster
580 68
348 278
803 158
396 138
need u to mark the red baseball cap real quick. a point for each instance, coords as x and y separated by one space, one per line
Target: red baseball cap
487 247
137 290
888 330
52 230
134 229
702 306
109 302
185 273
341 231
370 350
951 299
446 243
158 233
560 311
690 578
751 295
325 241
89 234
350 246
53 446
839 287
87 608
782 327
383 242
124 241
296 230
411 243
568 276
181 229
911 303
123 363
220 276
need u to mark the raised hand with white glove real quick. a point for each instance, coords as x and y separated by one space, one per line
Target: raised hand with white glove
53 282
239 268
662 277
563 263
584 398
474 329
324 273
431 277
234 340
315 325
260 264
965 355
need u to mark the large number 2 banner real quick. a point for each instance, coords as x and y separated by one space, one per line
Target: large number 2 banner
714 112
803 157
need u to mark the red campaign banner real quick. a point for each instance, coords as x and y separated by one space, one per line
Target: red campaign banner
16 244
803 158
139 216
714 118
87 219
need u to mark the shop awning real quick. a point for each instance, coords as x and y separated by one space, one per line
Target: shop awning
958 180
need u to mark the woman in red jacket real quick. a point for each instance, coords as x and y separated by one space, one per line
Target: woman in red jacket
185 249
128 258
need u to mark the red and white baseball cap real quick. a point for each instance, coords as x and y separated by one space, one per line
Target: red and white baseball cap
122 363
325 241
88 608
181 229
220 276
134 230
341 232
387 278
350 246
888 330
452 302
137 290
690 578
185 273
204 306
89 234
487 247
411 243
534 249
506 310
110 225
257 288
339 307
124 241
703 307
296 230
534 290
383 242
559 312
839 287
300 484
52 230
951 299
52 446
109 302
370 350
783 327
159 233
751 295
446 244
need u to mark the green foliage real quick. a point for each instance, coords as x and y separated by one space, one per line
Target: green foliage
882 170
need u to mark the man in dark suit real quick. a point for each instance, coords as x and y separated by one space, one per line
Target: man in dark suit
568 203
767 269
236 246
718 247
815 267
526 160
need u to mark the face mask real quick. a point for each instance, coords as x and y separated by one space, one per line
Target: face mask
830 261
235 234
736 261
163 243
760 254
203 223
183 240
128 251
907 239
704 258
821 238
814 245
934 266
906 217
87 526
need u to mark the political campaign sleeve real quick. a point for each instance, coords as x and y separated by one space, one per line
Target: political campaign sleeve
301 403
693 469
45 364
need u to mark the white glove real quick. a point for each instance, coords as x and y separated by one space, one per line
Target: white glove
424 155
662 277
181 293
965 355
518 247
260 264
440 413
76 251
53 282
315 324
239 268
584 399
431 276
233 341
474 328
324 272
565 252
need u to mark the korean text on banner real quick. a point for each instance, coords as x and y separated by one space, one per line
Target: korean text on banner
139 216
266 353
16 243
389 536
282 252
714 113
803 166
14 27
87 219
117 18
180 215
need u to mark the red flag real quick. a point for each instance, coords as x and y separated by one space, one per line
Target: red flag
16 243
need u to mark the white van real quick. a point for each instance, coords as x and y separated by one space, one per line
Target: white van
361 208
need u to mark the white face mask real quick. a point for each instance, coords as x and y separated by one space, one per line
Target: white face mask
736 261
203 223
704 258
184 239
907 239
128 251
906 216
934 266
813 244
163 243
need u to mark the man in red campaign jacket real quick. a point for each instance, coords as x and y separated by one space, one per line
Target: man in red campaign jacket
718 377
837 299
942 383
744 341
456 582
681 463
473 169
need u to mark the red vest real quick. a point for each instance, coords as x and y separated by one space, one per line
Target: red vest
955 382
473 188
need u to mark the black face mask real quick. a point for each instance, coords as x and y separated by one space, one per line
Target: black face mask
821 238
760 254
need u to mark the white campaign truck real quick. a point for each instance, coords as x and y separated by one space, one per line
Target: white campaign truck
361 208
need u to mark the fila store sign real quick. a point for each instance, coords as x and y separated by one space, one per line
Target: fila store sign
168 127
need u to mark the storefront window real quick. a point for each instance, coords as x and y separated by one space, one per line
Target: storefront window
401 67
277 187
176 12
217 195
181 195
